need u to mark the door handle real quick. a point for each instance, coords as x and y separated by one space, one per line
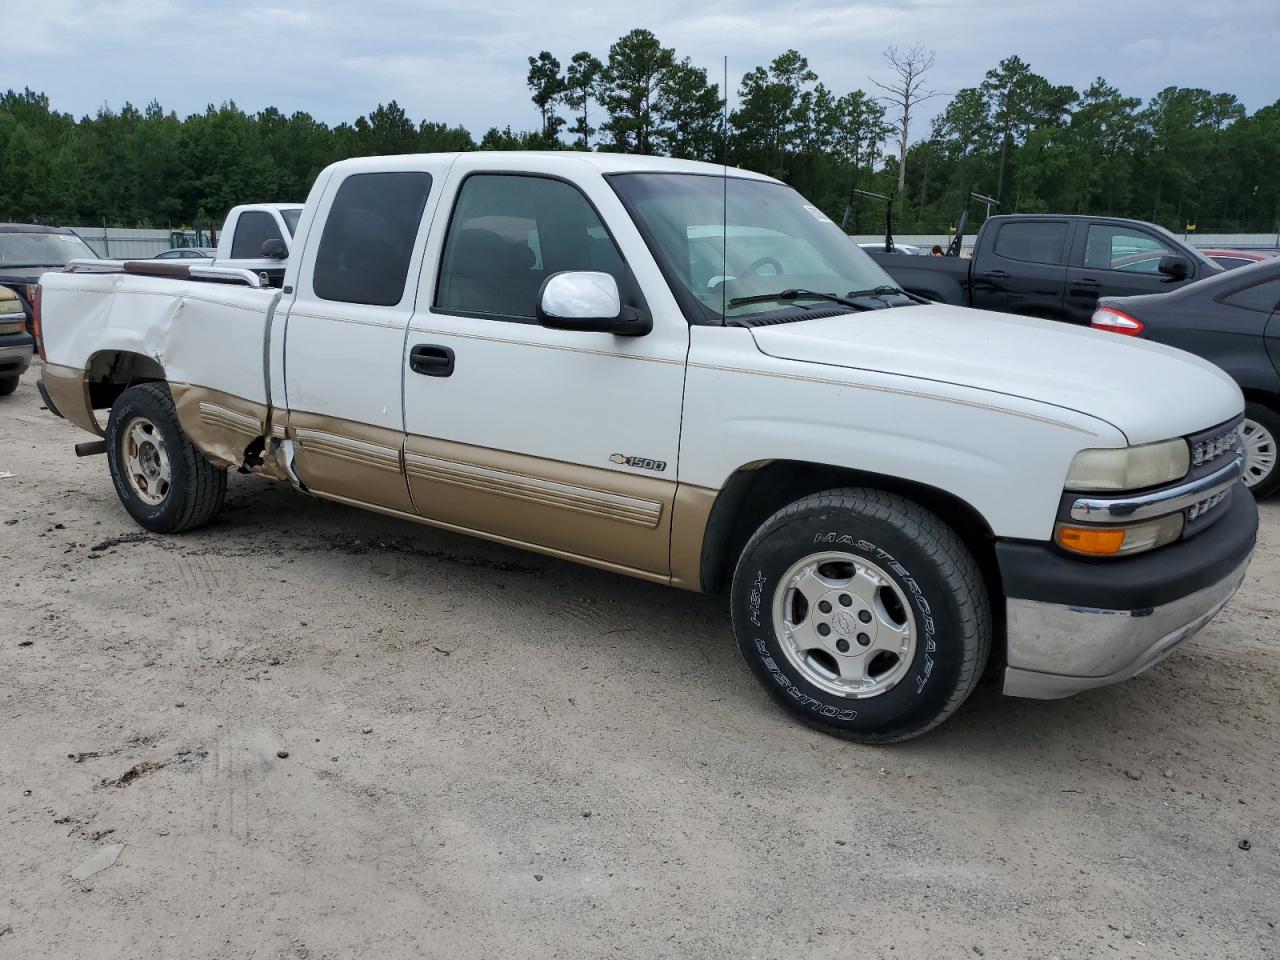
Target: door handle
431 360
1085 282
996 274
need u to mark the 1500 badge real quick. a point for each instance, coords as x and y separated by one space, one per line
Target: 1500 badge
644 463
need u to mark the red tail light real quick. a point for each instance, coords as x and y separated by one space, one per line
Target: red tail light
34 321
1117 321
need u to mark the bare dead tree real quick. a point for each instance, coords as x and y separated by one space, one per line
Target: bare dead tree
905 92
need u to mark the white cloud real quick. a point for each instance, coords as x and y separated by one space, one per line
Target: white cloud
466 64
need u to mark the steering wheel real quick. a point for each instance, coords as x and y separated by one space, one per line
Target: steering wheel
753 268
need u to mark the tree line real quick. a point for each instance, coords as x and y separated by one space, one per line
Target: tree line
1186 155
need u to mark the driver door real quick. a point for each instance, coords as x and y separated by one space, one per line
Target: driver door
565 441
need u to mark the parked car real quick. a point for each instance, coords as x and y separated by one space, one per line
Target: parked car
635 363
1052 266
1233 259
28 250
16 345
1232 320
258 237
187 253
906 248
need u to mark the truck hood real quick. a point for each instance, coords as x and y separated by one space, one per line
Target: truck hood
1146 390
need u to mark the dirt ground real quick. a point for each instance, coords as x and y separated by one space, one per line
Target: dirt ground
491 753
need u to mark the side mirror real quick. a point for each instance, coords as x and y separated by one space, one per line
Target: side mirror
1174 267
588 300
274 249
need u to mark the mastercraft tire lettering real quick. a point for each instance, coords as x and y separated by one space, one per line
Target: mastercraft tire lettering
862 613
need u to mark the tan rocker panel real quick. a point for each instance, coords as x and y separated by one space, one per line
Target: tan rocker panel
219 424
68 388
584 511
354 461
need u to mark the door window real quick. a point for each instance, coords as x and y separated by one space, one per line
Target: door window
508 234
1263 297
1033 241
368 238
1124 249
252 230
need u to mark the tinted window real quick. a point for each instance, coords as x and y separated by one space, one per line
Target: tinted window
368 238
1121 248
252 229
1037 241
1263 297
290 218
508 234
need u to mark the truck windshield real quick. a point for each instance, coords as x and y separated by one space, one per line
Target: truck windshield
42 249
728 259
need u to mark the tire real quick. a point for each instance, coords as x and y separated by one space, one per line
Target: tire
164 482
1260 434
9 384
908 582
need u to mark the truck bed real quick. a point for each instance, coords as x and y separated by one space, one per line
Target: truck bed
213 335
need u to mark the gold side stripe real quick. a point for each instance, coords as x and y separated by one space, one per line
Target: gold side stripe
373 450
598 503
349 455
219 416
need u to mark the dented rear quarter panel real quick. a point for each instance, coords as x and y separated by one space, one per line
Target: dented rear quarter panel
201 334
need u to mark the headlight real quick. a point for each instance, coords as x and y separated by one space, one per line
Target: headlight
9 307
1129 468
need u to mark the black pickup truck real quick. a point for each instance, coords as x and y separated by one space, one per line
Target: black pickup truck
1052 266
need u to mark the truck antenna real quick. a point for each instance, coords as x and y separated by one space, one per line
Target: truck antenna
724 196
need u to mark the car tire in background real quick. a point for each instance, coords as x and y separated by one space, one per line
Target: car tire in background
8 385
1260 436
164 482
862 613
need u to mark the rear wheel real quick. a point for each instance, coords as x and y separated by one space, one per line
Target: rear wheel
862 613
164 482
8 384
1260 436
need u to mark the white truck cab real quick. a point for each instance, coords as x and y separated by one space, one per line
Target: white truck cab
691 376
258 237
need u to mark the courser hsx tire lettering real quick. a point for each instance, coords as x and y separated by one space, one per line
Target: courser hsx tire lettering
185 490
859 568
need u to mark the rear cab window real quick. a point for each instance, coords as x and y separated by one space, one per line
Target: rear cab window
368 238
1033 241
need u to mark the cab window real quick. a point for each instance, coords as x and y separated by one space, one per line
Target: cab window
254 228
1123 249
508 233
368 238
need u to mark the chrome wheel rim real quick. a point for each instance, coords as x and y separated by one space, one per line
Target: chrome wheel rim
1259 452
845 625
146 461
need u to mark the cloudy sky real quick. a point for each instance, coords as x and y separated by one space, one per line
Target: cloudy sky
466 62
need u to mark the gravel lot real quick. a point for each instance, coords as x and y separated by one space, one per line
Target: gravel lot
491 753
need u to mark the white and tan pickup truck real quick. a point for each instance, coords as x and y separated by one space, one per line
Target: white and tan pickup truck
688 375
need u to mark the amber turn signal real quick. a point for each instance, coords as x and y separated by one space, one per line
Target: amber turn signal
1098 542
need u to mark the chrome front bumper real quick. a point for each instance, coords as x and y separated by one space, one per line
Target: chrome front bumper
1057 650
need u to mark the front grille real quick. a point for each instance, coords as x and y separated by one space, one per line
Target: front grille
1211 449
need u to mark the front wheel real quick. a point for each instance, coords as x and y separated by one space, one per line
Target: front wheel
862 613
164 482
1259 435
8 384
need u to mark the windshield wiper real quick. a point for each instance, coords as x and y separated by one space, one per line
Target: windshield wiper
795 294
884 290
